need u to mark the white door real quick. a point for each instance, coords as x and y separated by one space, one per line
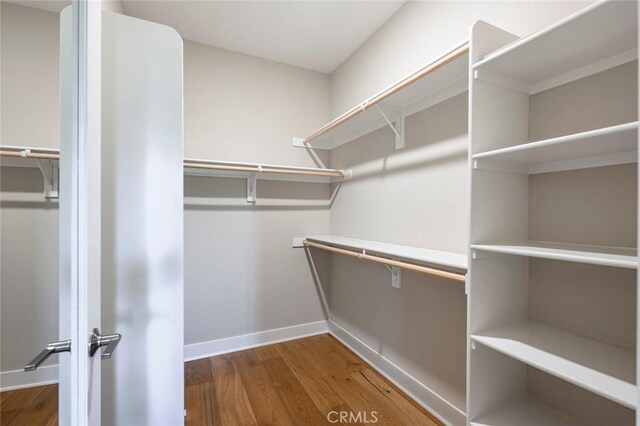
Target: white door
120 209
80 217
78 367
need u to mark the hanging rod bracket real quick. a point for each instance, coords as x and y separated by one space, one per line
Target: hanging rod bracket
299 143
50 173
396 277
252 183
396 124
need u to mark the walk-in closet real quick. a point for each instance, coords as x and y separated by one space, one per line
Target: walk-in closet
313 212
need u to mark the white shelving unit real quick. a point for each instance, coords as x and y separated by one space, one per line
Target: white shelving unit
603 369
620 257
48 162
441 78
601 147
523 412
512 338
599 37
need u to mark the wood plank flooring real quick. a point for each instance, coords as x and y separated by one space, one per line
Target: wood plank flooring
311 381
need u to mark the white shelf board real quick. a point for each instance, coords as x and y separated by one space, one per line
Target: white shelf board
620 257
188 171
605 32
525 412
416 254
603 369
595 148
430 90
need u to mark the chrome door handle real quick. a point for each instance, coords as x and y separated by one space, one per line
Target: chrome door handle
97 340
50 349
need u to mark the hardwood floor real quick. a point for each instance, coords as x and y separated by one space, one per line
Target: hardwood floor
30 407
311 381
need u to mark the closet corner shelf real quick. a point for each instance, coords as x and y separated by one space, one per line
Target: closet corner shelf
560 53
598 367
620 257
438 80
525 412
435 262
595 148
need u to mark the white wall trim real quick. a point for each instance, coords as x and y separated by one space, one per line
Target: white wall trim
19 379
47 375
423 395
253 340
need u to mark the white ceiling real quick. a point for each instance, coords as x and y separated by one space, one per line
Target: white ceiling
317 35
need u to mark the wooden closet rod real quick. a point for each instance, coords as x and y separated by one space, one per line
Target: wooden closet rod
404 265
265 169
432 67
243 168
28 154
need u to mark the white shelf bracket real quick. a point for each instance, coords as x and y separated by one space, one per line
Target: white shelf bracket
50 173
396 125
252 183
396 277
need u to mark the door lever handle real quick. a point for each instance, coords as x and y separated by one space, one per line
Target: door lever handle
98 340
50 349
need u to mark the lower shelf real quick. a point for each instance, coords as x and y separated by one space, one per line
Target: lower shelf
523 413
600 368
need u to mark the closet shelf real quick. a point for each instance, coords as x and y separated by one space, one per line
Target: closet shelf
525 412
620 257
448 265
602 36
601 147
438 80
24 156
196 167
603 369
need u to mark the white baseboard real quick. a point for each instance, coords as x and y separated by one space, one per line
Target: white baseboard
429 399
19 379
248 341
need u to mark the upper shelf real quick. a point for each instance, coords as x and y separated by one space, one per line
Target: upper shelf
595 148
430 257
597 38
440 79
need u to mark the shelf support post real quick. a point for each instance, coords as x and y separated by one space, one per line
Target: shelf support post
396 125
252 182
50 173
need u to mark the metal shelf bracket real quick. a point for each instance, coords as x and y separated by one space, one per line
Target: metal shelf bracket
50 173
396 275
252 183
396 125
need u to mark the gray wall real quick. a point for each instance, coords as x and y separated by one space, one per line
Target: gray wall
241 275
28 223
